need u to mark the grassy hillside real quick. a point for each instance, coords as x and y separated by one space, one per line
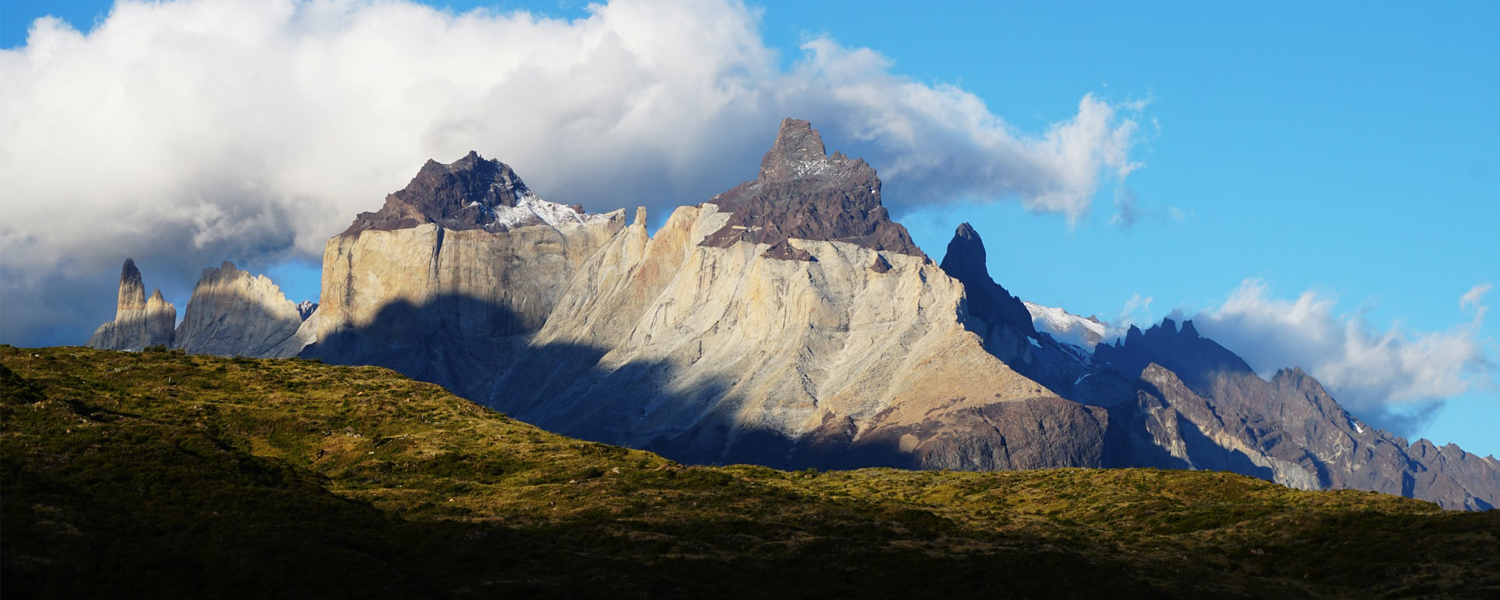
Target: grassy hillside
159 474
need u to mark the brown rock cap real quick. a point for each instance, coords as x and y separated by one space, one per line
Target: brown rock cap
458 196
803 193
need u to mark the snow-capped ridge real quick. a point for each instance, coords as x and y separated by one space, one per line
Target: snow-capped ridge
532 210
1068 328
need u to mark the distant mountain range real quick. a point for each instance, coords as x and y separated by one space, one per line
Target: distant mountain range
788 322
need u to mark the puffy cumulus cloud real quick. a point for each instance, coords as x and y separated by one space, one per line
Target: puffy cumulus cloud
939 142
184 133
1393 378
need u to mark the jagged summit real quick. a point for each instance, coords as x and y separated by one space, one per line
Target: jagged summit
989 301
235 313
797 151
470 193
802 192
139 321
965 259
132 290
1194 358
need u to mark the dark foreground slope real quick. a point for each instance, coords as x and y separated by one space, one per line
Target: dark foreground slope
169 475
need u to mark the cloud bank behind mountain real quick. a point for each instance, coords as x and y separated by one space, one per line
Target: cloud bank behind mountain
185 133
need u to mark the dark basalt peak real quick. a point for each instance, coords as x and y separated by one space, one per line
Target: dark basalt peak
989 301
797 145
130 274
1195 359
803 193
965 259
462 195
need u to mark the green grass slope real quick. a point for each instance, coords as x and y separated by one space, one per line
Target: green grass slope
165 475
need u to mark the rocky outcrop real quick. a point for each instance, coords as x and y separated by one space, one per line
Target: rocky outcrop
803 193
306 308
713 352
233 313
1198 360
1200 406
470 193
1003 321
988 301
436 282
1169 426
139 322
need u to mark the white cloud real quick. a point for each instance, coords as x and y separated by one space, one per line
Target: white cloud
183 133
1471 299
1391 377
1136 310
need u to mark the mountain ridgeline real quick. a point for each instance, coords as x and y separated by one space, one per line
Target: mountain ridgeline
787 322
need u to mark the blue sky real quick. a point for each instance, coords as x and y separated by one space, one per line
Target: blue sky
1350 151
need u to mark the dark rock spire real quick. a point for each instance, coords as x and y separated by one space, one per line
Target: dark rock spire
803 193
989 301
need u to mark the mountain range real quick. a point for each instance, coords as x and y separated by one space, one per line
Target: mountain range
787 322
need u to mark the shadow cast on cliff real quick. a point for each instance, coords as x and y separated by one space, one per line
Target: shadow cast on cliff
479 350
453 340
1133 445
239 324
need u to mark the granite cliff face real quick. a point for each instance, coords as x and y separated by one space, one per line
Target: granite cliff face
786 322
233 313
440 281
711 354
139 321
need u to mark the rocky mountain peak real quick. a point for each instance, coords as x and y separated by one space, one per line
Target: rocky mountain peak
802 192
306 308
797 146
132 290
467 180
1166 327
233 312
470 193
989 301
966 257
1197 360
1189 330
139 322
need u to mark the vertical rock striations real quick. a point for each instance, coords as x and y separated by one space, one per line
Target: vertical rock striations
233 313
788 322
139 322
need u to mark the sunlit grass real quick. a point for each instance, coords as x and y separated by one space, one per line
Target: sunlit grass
178 475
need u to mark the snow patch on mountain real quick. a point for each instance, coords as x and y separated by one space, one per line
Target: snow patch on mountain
1068 328
531 210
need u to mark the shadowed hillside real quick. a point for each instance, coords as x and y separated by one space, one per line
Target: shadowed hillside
168 475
